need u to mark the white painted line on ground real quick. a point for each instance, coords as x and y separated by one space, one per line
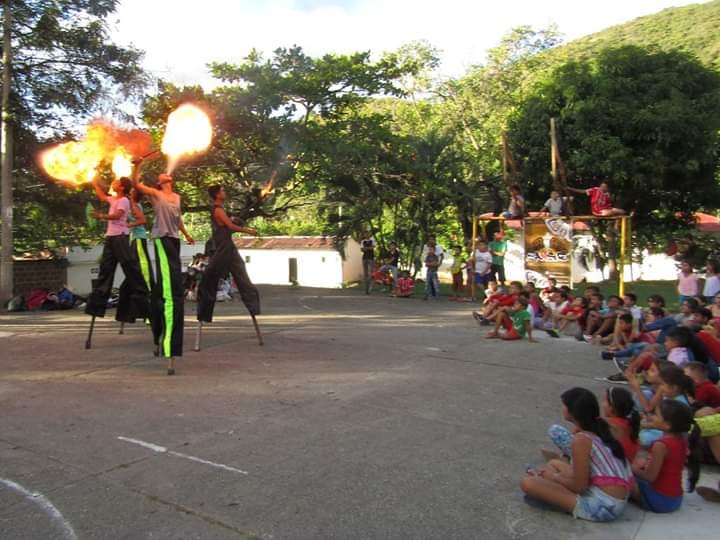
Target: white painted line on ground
304 305
43 502
163 450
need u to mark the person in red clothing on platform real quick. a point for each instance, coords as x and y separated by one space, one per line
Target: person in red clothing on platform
659 475
600 201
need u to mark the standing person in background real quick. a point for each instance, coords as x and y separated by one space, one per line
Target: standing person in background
432 285
457 273
483 265
437 249
688 282
367 246
516 209
498 249
133 302
168 296
712 282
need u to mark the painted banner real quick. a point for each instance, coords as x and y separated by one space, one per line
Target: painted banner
548 250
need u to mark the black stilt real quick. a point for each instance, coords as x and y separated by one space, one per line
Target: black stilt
257 331
88 341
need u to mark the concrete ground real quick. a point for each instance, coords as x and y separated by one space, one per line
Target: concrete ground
361 417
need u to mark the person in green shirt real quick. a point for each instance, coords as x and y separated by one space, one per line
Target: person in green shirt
516 321
498 248
457 272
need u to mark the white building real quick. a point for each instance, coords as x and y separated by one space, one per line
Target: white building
312 261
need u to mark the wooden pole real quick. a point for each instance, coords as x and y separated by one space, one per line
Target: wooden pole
621 269
554 154
6 163
505 160
472 255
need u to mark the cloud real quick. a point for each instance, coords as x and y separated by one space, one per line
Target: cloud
180 37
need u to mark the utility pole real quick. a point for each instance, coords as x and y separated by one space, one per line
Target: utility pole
6 163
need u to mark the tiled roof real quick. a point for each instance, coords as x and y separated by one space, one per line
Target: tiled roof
285 242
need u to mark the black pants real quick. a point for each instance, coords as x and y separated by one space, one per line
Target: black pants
498 273
133 302
168 297
225 261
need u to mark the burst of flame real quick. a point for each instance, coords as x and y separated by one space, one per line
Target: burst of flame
76 162
122 165
268 187
188 132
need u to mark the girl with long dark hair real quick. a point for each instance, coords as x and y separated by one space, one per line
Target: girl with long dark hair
596 484
659 476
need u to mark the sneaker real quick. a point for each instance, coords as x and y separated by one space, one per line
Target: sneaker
580 337
607 355
552 332
617 378
619 364
708 493
587 338
478 316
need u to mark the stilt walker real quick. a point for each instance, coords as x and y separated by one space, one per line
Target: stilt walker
224 260
168 295
138 243
133 302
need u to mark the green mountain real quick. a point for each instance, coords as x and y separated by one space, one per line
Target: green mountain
694 29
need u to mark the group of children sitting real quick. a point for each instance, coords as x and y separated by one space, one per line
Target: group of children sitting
667 418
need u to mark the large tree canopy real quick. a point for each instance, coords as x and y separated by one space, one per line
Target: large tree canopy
65 70
645 121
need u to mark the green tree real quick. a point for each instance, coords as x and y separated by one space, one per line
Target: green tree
646 121
61 67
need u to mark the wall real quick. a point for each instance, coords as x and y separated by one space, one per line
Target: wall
39 274
266 266
352 265
316 268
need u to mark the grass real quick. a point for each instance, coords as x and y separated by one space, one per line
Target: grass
642 289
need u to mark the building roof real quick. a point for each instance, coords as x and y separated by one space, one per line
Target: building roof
285 242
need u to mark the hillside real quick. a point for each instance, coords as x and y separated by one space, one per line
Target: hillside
694 28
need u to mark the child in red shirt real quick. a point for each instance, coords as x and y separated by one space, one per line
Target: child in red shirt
573 312
707 394
619 411
405 286
600 201
659 476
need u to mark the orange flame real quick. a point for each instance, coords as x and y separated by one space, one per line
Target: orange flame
76 162
268 187
188 132
122 164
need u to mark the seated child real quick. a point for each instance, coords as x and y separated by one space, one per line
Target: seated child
496 302
707 394
515 320
558 302
491 290
596 484
630 304
551 287
659 476
405 285
674 385
563 321
619 411
601 323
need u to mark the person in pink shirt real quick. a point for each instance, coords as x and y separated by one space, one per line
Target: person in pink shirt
600 201
134 295
688 282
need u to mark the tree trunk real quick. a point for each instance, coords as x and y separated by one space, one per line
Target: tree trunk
6 163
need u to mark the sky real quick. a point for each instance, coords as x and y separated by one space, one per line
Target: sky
181 36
